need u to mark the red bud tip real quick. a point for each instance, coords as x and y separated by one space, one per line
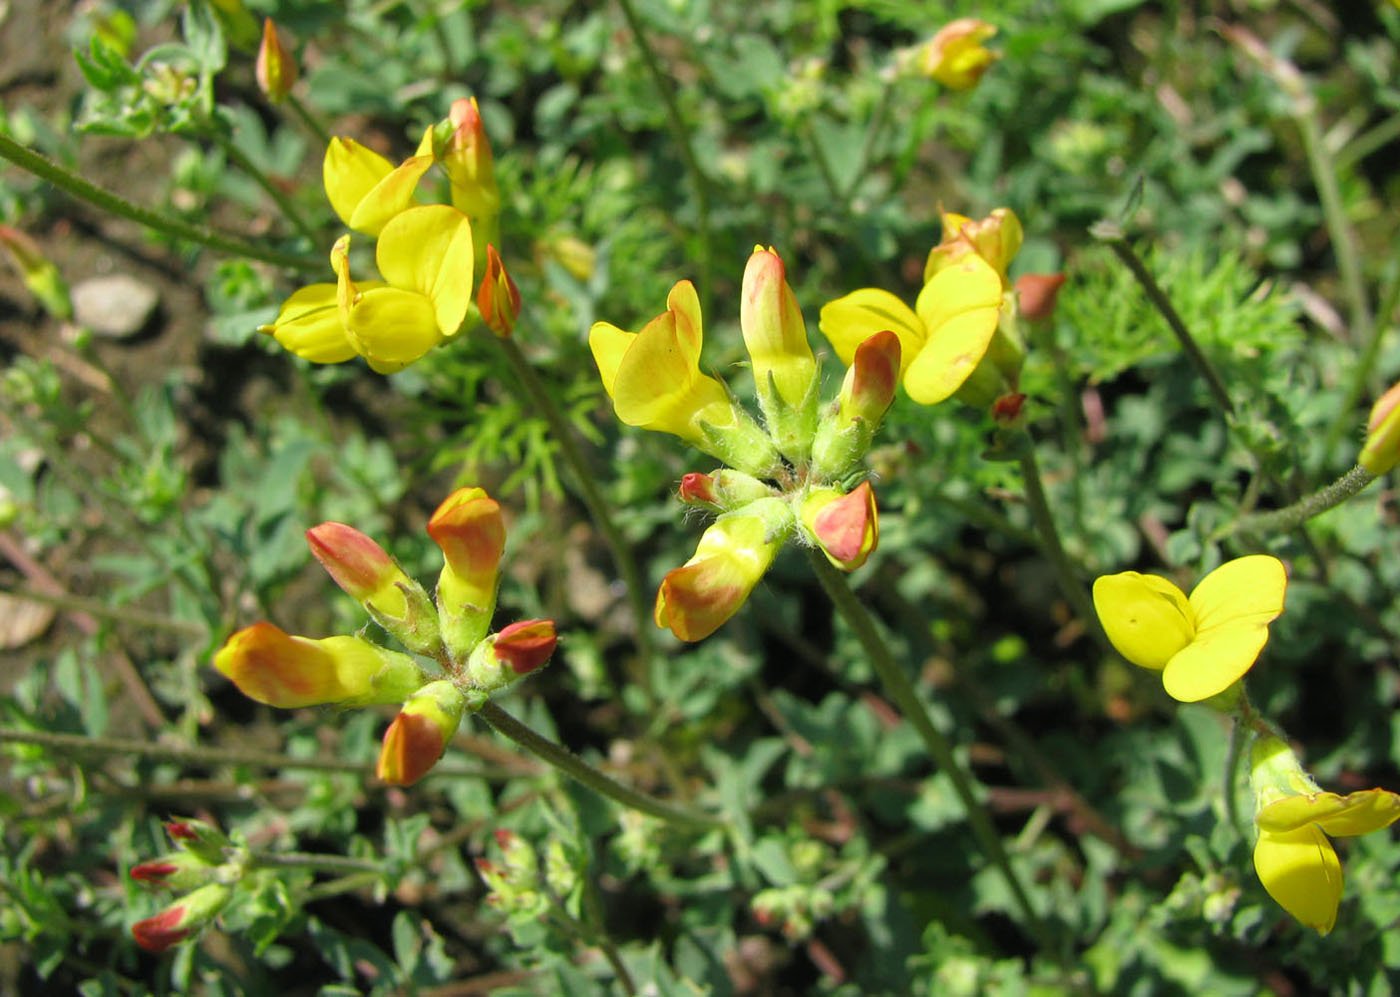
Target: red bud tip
527 645
156 934
153 872
698 489
1007 408
1037 293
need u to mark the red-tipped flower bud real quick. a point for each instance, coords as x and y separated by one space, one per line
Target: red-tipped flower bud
1381 451
1037 293
469 528
516 651
498 299
419 734
182 918
846 527
276 70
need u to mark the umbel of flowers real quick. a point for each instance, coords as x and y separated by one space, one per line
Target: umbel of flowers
283 670
428 255
789 478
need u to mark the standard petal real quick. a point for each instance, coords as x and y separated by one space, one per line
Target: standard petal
349 172
1146 617
960 308
1245 591
659 387
309 325
1301 871
1339 816
609 344
849 321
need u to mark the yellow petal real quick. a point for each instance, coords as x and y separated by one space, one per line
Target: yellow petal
960 308
1233 606
350 171
392 328
1146 617
309 325
428 250
1340 816
390 196
608 344
847 322
697 598
1300 870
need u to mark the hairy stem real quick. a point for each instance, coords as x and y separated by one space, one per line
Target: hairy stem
308 860
1291 517
1111 234
902 691
284 203
308 119
207 756
588 491
74 185
681 133
576 768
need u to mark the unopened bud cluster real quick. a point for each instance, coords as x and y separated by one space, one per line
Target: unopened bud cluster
282 670
203 869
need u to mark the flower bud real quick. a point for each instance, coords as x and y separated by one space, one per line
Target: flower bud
1036 294
846 527
276 70
955 56
278 669
198 837
177 871
515 652
1381 451
465 153
698 489
419 735
734 553
182 918
38 272
996 238
843 437
374 579
471 532
724 490
498 299
784 370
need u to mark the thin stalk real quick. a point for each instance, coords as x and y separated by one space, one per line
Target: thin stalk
308 860
576 768
596 937
698 177
563 434
284 203
902 691
84 190
95 607
1070 584
1366 363
345 884
1367 142
1291 517
1111 234
312 123
207 756
1232 768
1324 174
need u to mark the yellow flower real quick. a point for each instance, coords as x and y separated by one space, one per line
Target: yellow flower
955 56
944 337
1293 856
365 189
996 238
653 376
1204 644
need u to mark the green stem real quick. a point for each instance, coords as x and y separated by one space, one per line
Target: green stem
906 698
598 510
1366 364
95 607
207 756
1065 574
284 203
576 768
308 860
1232 768
597 938
1324 175
345 884
1110 233
74 185
698 177
312 123
1291 517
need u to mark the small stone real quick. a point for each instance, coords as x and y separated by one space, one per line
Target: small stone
117 306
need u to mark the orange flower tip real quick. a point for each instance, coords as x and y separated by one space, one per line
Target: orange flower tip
846 527
498 299
471 532
275 70
412 745
1007 409
527 645
180 830
873 376
358 564
698 489
158 933
1037 293
504 838
153 872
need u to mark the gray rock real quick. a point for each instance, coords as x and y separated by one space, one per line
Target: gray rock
116 305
